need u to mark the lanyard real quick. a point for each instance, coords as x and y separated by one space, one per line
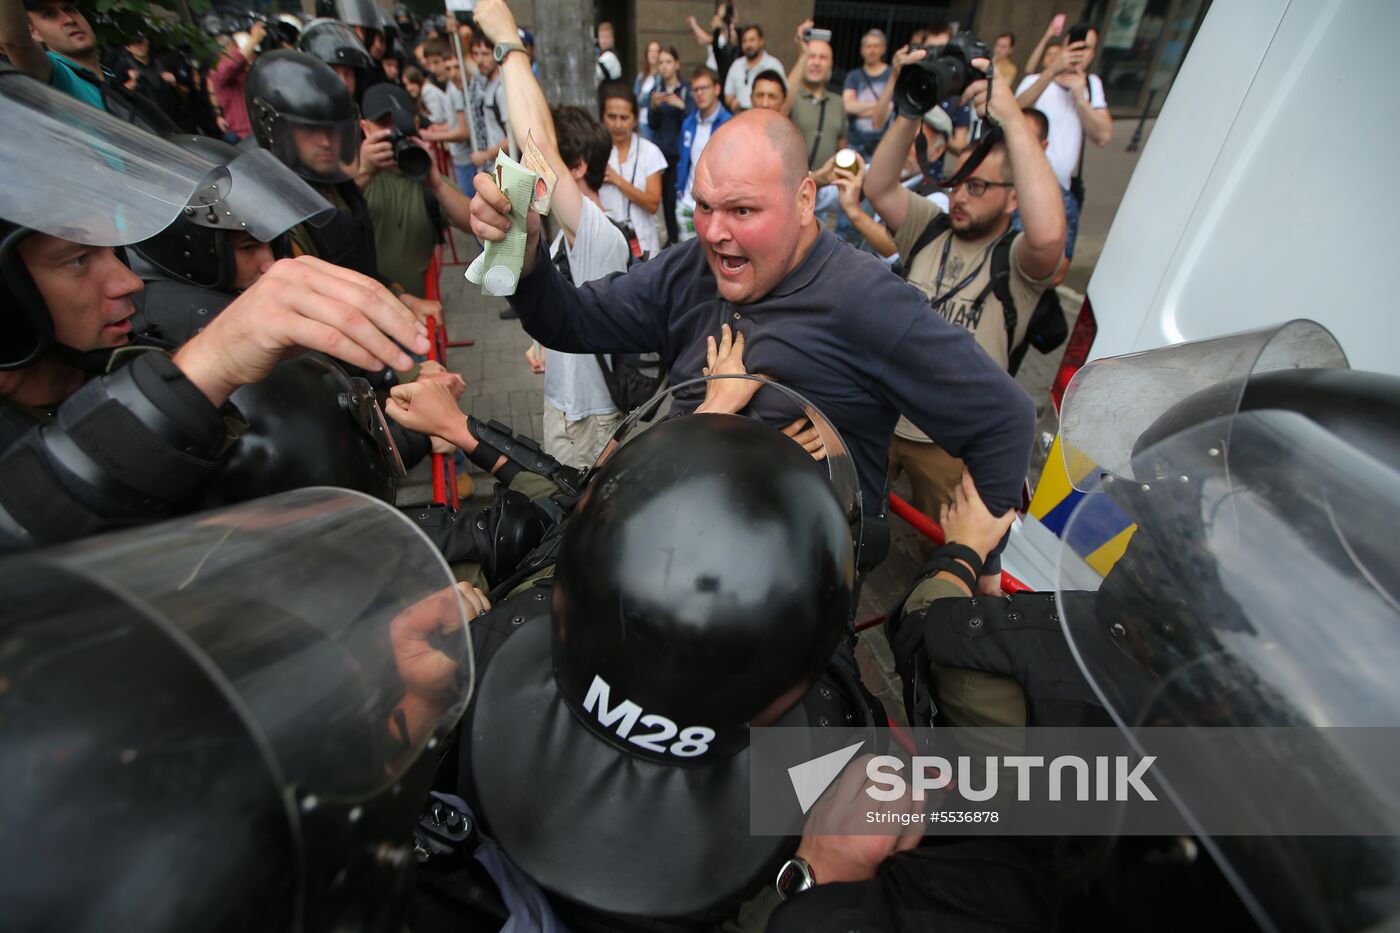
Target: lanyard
939 299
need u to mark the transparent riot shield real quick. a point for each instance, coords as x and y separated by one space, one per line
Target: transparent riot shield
773 404
358 13
264 198
1111 403
77 173
1258 590
223 721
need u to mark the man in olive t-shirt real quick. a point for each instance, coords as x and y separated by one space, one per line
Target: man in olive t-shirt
819 114
954 269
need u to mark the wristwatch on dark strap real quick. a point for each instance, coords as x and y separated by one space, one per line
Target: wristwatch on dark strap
505 48
794 877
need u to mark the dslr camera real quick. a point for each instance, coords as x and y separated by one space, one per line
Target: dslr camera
413 160
945 72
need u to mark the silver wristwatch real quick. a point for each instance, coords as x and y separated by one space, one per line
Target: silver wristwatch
794 877
503 49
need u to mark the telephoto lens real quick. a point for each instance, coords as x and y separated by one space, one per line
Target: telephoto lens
945 72
413 160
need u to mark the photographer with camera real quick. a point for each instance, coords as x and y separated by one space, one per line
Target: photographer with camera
958 258
409 201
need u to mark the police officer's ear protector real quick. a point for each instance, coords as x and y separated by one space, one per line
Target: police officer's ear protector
26 323
27 330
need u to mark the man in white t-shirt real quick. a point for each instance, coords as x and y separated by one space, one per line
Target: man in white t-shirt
1074 103
738 84
579 413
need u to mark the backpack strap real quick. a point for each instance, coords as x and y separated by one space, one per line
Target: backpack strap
1001 286
936 228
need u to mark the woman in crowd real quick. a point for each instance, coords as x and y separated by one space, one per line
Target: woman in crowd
632 190
644 83
667 109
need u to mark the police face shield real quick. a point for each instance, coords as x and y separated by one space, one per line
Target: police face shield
317 150
79 174
357 13
264 198
1250 580
772 404
221 722
1139 388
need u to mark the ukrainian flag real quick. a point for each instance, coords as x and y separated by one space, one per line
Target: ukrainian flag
1101 536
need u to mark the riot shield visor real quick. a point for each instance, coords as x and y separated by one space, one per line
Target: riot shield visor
1111 403
335 44
1258 588
358 13
328 619
317 150
82 175
772 404
265 198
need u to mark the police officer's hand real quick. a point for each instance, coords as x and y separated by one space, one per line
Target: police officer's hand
433 371
491 218
300 304
808 437
968 522
427 639
422 308
428 408
836 841
725 357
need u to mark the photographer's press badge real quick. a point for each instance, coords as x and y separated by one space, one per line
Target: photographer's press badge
533 159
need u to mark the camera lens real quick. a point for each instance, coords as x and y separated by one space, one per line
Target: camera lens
414 161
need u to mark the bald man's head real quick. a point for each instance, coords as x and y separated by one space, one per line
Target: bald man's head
819 62
754 204
758 138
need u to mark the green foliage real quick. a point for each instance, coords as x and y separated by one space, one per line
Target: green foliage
116 20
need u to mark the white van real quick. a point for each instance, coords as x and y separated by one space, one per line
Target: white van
1268 191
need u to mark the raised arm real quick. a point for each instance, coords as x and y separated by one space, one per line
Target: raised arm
529 111
18 44
1038 193
884 105
1033 63
794 76
882 187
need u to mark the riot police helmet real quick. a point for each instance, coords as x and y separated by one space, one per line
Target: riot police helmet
303 113
335 44
703 584
89 179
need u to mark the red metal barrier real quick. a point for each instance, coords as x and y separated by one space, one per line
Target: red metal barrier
934 532
446 167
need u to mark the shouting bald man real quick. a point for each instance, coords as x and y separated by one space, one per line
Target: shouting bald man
817 315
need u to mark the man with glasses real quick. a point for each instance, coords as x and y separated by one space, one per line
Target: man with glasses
951 256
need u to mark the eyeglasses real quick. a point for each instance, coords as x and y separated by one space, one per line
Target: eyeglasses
976 187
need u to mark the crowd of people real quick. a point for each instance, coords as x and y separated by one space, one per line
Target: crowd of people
733 218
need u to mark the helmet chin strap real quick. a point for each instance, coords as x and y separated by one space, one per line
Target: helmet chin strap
98 362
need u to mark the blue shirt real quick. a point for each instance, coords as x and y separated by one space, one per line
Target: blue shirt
868 91
65 78
851 336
